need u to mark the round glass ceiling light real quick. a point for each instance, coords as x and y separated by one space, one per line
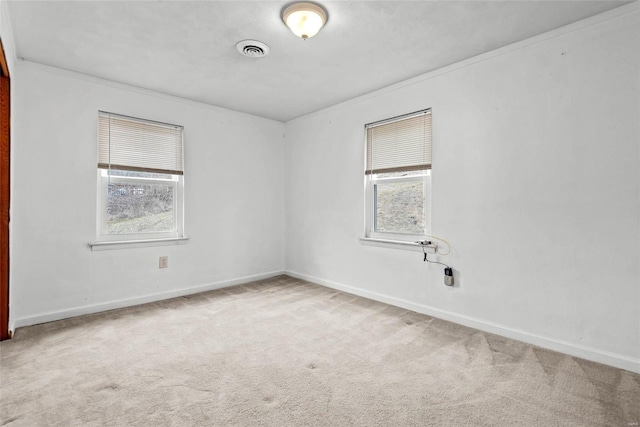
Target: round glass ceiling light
304 19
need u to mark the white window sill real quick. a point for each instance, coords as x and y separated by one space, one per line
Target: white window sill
397 244
125 244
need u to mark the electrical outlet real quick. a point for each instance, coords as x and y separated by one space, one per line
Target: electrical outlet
163 262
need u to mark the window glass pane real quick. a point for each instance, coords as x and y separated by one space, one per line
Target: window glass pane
140 208
117 172
400 207
399 174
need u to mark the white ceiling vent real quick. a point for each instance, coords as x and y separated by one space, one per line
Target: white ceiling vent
252 48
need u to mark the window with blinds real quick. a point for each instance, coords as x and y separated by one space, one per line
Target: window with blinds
398 177
399 144
127 143
140 179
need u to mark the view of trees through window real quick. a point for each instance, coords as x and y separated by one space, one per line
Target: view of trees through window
400 207
140 207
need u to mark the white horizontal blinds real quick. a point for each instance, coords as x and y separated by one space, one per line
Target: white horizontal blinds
139 145
399 145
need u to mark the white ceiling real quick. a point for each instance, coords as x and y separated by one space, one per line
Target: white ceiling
187 48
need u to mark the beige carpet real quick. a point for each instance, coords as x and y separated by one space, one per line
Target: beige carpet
283 352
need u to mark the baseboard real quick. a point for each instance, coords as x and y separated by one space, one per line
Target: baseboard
128 302
577 350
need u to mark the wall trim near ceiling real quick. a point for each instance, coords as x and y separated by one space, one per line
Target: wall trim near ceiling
558 32
618 12
128 302
572 349
137 89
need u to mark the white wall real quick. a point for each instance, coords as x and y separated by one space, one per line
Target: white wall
233 198
6 34
535 184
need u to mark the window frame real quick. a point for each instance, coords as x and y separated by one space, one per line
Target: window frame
371 180
133 144
104 178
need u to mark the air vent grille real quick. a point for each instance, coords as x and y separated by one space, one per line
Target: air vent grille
252 48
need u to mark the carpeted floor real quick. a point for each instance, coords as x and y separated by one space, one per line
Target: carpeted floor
283 352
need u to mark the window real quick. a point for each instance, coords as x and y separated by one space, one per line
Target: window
140 179
398 177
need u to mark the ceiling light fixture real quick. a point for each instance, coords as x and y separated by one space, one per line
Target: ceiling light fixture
304 19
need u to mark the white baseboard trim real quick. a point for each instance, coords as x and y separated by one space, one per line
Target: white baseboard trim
128 302
572 349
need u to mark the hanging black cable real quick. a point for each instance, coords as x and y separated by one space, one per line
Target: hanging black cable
424 251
